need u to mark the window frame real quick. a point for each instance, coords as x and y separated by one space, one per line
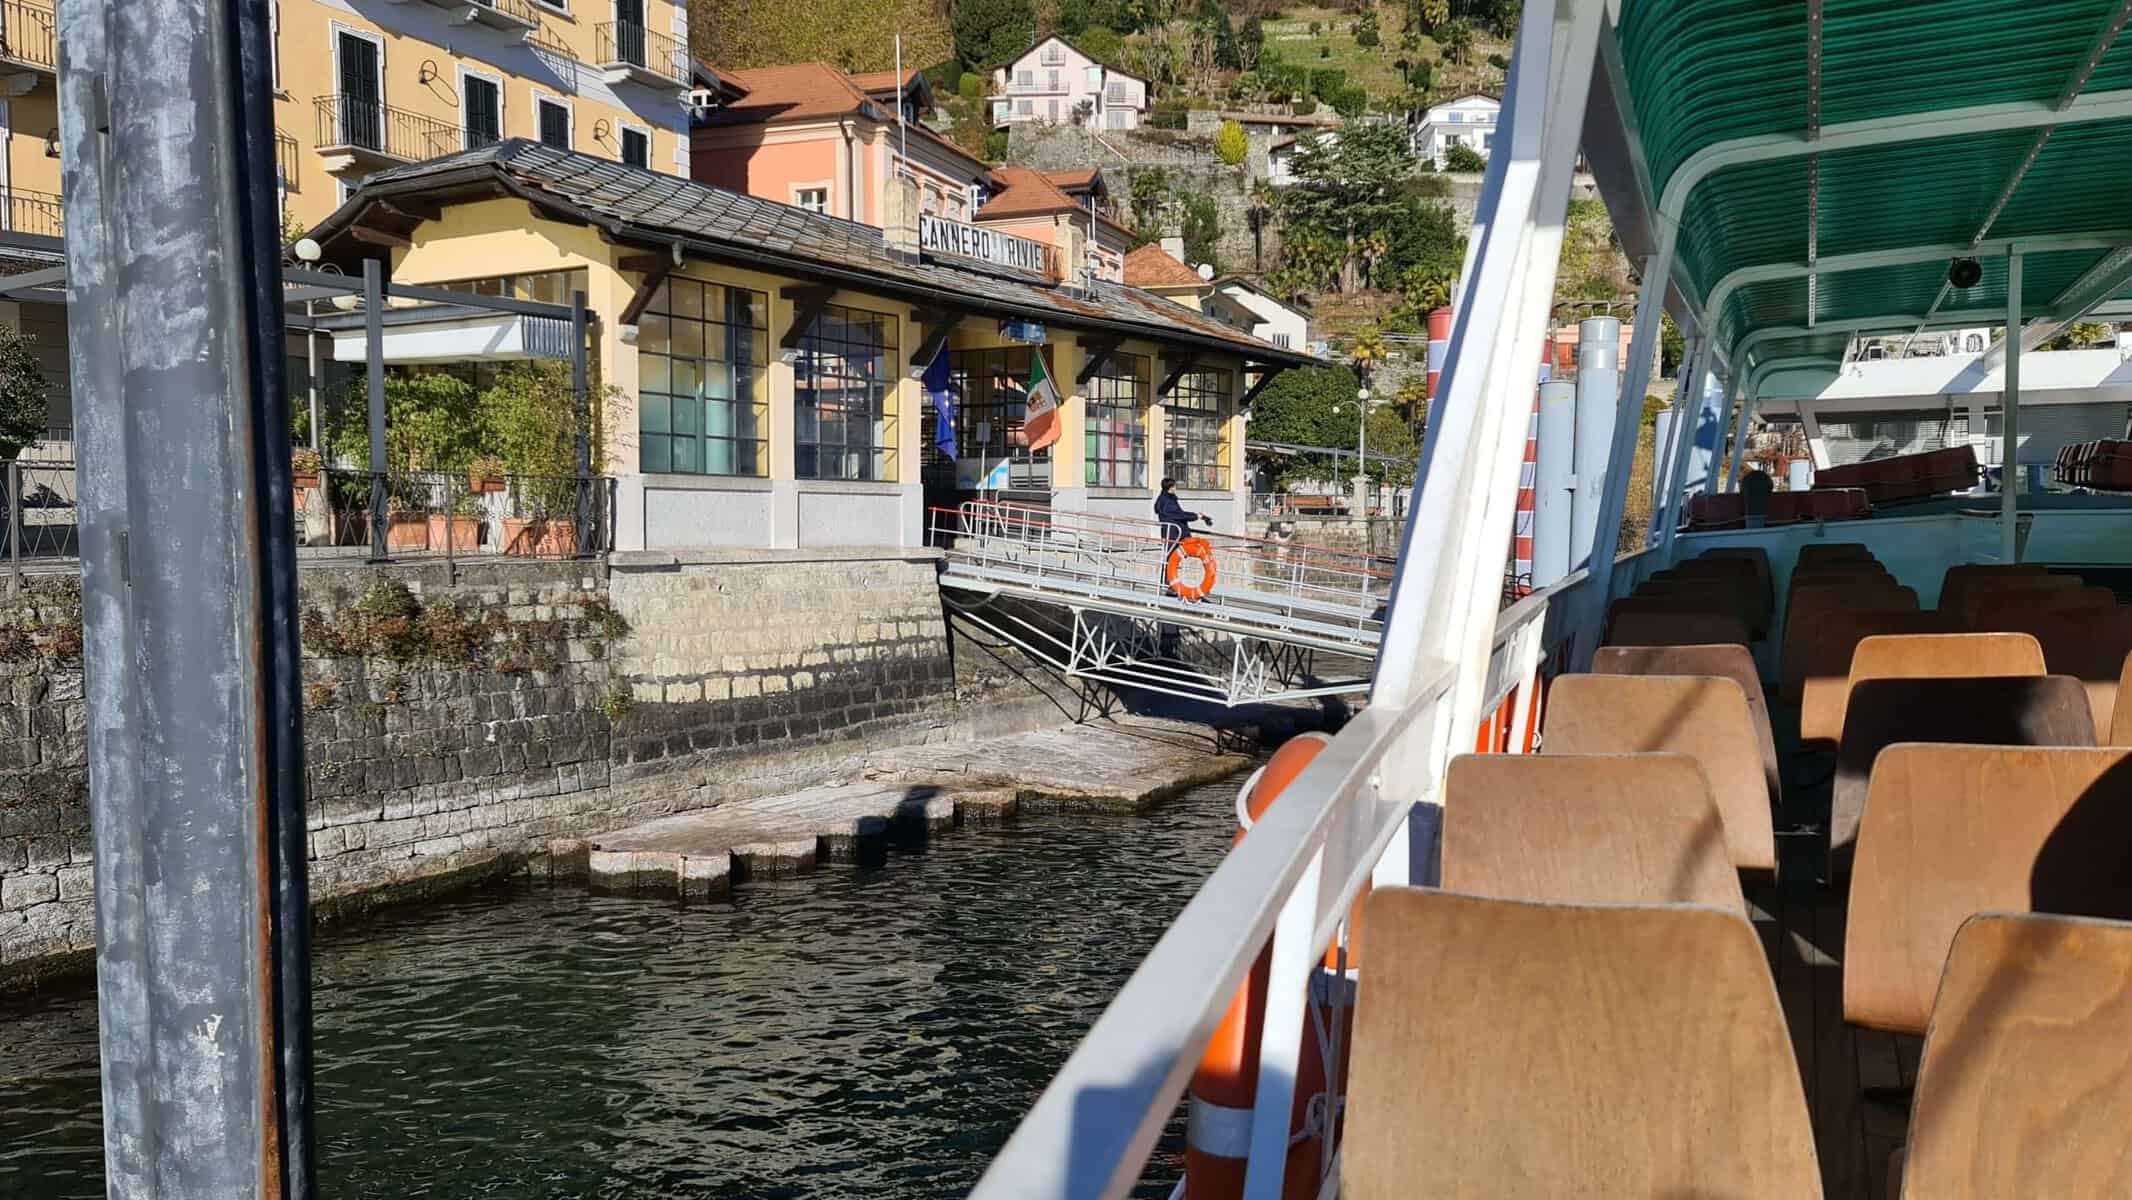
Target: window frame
1112 426
542 100
800 192
1195 444
877 378
466 108
744 444
621 150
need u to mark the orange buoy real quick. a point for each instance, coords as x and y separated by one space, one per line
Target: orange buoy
1225 1085
1199 548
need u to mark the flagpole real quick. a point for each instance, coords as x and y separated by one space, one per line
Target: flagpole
902 131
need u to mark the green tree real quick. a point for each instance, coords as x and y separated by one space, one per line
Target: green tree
1200 224
1230 144
2081 333
1463 158
1503 17
1297 407
1251 42
1347 187
430 423
1102 43
1072 18
1433 13
989 32
1367 32
1457 39
845 32
23 393
1351 102
1671 346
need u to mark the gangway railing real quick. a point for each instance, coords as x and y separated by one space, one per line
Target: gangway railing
1239 619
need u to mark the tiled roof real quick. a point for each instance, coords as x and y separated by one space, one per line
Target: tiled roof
657 210
1027 193
872 82
1151 266
1079 178
795 91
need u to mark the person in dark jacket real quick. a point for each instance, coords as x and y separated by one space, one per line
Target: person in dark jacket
1176 523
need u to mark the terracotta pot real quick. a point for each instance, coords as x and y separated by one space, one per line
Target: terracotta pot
465 533
551 537
405 531
484 483
304 480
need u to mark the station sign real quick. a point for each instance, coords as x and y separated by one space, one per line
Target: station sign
1023 330
938 235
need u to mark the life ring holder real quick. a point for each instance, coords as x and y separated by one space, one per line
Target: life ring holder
1201 549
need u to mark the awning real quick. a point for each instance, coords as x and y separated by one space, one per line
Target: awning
448 333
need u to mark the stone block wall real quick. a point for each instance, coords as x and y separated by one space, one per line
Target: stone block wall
736 652
44 805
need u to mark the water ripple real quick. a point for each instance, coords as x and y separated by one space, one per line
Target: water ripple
867 1032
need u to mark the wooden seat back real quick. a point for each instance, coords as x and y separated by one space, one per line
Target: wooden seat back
1740 574
1732 662
1733 596
1697 601
1812 644
1675 629
1814 554
1995 609
1702 716
1827 669
1890 654
1586 828
2025 1088
1951 831
1753 554
1981 596
1956 581
2045 710
2088 644
1513 1051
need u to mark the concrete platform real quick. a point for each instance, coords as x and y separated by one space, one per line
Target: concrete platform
918 789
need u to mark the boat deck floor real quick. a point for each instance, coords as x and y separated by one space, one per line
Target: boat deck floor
1858 1126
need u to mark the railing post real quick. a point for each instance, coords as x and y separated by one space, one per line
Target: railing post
581 398
451 531
14 526
374 364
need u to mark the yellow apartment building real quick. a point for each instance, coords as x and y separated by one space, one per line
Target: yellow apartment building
365 85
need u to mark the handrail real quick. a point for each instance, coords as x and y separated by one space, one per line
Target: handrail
1089 1134
627 43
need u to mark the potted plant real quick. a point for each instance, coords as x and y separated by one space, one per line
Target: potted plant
405 527
305 465
540 537
485 473
464 525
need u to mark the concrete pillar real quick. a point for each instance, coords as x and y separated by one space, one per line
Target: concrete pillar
1598 391
783 533
1554 477
1069 477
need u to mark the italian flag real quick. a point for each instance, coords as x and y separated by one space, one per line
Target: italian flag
1041 427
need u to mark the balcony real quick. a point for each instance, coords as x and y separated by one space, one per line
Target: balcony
29 46
39 213
285 161
357 133
630 53
511 16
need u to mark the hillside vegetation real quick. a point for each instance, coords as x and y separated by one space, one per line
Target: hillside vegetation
857 35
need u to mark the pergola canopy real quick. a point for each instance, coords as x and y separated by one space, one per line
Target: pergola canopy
1816 164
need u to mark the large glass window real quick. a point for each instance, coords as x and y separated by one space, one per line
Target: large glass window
701 351
1117 423
843 395
992 402
1194 452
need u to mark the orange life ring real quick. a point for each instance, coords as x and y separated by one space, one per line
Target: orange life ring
1200 549
1224 1087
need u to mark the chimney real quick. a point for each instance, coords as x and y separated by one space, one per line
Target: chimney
1073 257
1173 245
899 217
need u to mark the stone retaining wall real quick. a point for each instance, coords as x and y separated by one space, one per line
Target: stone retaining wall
454 728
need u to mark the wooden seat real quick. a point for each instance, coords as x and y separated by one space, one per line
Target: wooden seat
2046 710
1956 581
1913 656
2088 644
1675 629
1817 553
2001 592
1725 661
1812 645
1827 664
1995 609
1666 604
1753 554
2121 713
1738 574
1701 716
2025 1088
1707 594
1586 828
1950 831
1509 1050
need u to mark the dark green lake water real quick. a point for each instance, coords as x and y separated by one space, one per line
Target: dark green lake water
872 1031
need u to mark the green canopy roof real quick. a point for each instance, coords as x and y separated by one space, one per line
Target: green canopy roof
1820 162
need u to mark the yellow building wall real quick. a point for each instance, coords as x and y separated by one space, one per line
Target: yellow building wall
424 51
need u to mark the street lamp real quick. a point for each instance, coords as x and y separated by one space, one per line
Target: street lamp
1362 448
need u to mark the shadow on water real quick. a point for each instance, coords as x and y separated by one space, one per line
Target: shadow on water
874 1030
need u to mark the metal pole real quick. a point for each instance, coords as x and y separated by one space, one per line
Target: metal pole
311 345
189 599
1552 478
14 526
2010 444
1598 390
581 394
374 375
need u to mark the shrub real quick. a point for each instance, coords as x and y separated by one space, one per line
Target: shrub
1498 62
949 76
22 393
996 146
971 87
1325 52
1464 158
1351 102
1327 82
1230 144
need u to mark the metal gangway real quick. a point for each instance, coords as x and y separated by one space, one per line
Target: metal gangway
1092 596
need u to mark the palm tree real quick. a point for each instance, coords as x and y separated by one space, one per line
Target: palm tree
1457 39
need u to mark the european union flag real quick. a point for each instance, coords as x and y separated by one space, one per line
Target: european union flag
938 387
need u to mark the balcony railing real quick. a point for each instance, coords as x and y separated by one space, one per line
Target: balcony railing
626 48
41 213
366 128
27 35
503 14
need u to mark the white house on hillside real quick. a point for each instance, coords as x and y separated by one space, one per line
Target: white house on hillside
1467 121
1053 79
1260 313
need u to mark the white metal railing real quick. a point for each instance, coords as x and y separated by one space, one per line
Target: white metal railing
1293 880
1276 585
